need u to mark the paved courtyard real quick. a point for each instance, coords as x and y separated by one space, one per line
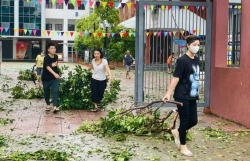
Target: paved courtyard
57 131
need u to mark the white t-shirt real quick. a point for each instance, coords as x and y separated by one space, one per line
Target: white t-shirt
99 71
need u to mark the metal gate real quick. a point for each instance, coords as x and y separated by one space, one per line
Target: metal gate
160 30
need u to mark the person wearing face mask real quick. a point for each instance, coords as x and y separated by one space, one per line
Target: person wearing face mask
185 84
98 82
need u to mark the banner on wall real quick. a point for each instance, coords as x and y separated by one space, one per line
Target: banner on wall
21 49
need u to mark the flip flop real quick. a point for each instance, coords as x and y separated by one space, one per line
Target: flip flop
55 110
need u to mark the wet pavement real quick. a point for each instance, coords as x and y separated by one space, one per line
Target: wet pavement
33 129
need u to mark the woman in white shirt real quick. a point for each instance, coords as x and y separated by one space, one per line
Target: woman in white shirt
99 79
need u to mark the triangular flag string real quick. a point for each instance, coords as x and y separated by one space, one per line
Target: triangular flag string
104 4
97 3
53 2
73 2
66 1
116 4
129 4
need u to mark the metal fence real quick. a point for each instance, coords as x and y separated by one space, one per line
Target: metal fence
161 29
234 28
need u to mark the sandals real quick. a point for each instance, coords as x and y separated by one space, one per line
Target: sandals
55 110
47 109
97 108
94 110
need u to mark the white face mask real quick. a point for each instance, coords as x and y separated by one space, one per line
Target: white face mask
194 49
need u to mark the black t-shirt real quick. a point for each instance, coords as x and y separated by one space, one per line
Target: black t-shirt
187 70
52 63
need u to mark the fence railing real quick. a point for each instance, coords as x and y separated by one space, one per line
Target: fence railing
234 28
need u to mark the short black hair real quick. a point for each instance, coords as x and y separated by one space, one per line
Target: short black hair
101 56
50 44
172 53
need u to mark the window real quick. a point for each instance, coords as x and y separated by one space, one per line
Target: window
81 7
59 6
32 26
30 17
71 6
234 27
91 10
48 26
71 27
58 27
26 4
26 25
5 3
5 24
49 5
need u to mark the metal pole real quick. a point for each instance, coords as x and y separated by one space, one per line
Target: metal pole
0 57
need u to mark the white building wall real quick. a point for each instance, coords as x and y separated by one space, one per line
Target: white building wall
65 17
52 16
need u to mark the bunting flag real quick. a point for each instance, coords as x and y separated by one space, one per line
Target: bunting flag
30 32
59 2
53 2
73 2
129 4
91 3
67 33
111 4
52 33
79 2
123 5
65 1
25 31
85 3
117 4
163 7
97 3
104 4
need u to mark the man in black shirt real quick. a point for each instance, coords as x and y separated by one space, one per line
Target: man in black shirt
50 77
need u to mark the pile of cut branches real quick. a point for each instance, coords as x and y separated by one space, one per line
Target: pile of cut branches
144 120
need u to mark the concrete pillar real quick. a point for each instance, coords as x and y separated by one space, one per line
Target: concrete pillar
16 26
43 24
16 17
43 16
14 47
219 40
44 45
65 28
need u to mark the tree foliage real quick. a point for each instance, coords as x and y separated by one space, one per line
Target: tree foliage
116 45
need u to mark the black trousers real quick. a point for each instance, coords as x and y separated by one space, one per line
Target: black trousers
97 90
188 117
54 85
